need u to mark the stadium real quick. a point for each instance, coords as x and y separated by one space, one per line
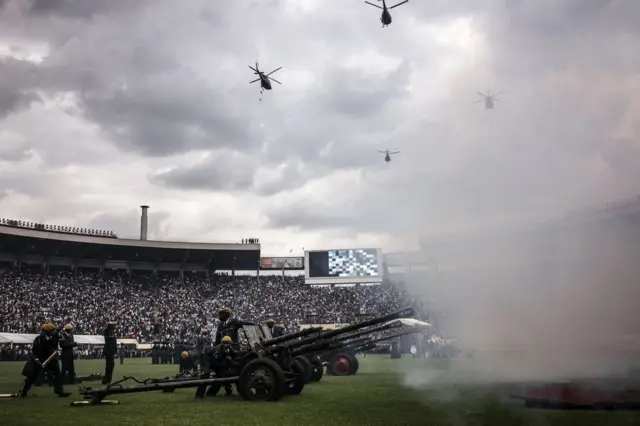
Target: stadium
160 293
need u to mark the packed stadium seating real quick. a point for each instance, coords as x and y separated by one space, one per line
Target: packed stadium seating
161 307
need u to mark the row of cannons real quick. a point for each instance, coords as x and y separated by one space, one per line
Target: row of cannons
269 368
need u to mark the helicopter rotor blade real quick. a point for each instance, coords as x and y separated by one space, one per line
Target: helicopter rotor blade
257 79
499 93
401 3
394 152
273 79
481 94
477 102
252 68
374 5
274 71
382 152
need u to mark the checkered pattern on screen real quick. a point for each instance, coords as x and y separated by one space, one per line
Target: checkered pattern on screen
353 263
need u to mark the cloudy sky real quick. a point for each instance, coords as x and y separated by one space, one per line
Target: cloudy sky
106 105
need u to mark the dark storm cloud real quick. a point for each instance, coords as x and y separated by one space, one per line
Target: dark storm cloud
130 80
77 8
17 81
159 79
228 171
361 96
568 67
336 142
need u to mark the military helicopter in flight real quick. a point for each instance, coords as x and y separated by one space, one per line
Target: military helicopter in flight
489 99
264 79
386 16
387 154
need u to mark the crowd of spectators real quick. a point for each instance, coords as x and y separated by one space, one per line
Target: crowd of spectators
171 308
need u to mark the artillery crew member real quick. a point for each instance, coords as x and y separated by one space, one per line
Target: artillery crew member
110 349
228 326
203 344
67 343
276 331
44 347
222 357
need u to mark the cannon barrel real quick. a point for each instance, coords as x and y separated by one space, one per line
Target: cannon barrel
367 331
291 336
357 342
366 347
325 346
402 313
393 335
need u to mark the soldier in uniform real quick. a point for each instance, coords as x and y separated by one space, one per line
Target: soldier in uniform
203 346
228 326
276 331
43 347
109 351
67 343
203 343
222 358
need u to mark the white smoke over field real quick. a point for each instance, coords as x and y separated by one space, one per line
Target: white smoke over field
559 302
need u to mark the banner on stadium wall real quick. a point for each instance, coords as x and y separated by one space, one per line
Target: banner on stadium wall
324 326
282 262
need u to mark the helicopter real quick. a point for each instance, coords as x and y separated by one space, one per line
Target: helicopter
489 99
387 154
264 79
386 16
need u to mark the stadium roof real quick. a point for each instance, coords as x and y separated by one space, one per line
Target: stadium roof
35 246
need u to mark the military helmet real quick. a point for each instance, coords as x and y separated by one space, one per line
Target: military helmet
226 339
281 325
184 354
270 321
224 309
68 326
203 330
47 326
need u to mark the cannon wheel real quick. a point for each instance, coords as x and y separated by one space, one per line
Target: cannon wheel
296 386
317 369
354 365
341 364
306 364
261 379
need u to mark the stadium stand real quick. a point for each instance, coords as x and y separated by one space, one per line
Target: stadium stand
158 290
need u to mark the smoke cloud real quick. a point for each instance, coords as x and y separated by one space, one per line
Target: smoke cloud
560 301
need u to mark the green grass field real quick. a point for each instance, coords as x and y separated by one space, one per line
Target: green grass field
374 396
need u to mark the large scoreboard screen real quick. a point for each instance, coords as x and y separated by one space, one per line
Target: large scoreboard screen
343 266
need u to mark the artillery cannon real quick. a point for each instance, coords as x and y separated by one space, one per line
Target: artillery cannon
266 368
331 340
260 371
